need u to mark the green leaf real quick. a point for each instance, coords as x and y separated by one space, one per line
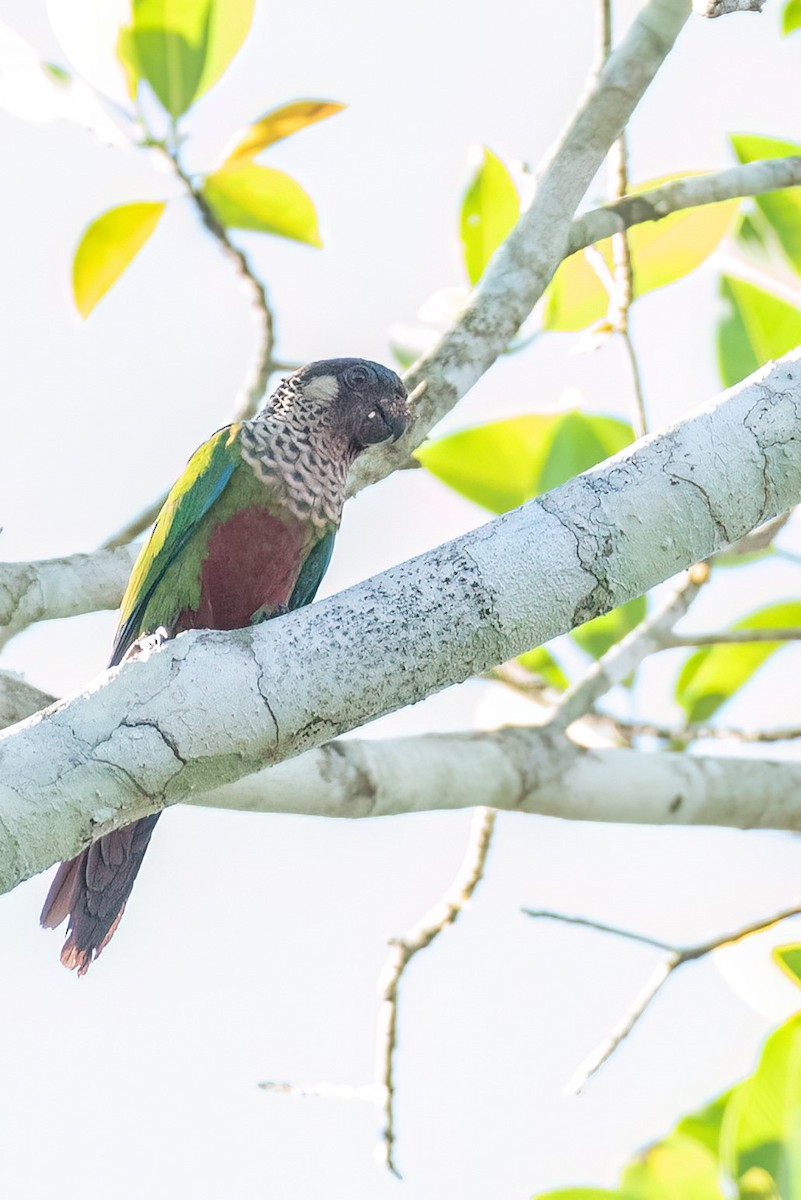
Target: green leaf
678 1168
490 209
582 1193
246 196
791 17
661 252
713 674
753 232
789 959
782 208
762 1126
756 1184
57 73
758 326
404 355
167 49
107 247
505 463
541 662
731 558
596 637
704 1124
182 47
278 124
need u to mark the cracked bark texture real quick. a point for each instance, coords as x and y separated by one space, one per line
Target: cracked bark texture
209 707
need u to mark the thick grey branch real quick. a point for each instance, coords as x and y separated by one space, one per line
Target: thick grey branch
523 770
19 699
211 707
61 587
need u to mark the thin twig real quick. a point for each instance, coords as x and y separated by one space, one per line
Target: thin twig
514 675
546 914
627 654
640 422
762 537
143 520
621 293
264 365
730 637
677 956
689 733
444 913
381 1091
603 29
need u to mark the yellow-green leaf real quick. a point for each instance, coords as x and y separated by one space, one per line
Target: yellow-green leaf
757 1184
678 1168
490 209
661 252
713 674
791 17
762 1125
182 47
789 959
704 1124
757 326
280 123
582 1193
782 208
505 463
107 247
166 44
247 196
540 661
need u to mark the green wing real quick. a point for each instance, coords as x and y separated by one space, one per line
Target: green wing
206 476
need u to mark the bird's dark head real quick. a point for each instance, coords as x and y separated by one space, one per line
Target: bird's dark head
364 401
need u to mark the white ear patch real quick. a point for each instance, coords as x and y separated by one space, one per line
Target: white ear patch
322 389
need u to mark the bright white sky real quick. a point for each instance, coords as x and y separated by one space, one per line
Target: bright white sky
252 944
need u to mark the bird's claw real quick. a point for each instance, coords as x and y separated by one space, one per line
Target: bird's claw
143 647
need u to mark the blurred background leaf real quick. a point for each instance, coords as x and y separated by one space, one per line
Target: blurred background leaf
107 247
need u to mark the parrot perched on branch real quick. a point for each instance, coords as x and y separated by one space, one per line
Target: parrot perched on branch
245 534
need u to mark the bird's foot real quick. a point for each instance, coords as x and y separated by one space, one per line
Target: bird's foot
144 646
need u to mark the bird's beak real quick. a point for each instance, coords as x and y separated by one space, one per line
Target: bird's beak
396 416
398 423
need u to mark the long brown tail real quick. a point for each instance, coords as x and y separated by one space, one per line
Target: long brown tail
92 890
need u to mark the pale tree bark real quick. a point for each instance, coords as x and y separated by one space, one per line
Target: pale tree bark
61 587
209 708
522 770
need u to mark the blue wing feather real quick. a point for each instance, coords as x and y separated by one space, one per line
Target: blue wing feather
312 571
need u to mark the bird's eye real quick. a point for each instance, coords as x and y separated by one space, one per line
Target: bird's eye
357 376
